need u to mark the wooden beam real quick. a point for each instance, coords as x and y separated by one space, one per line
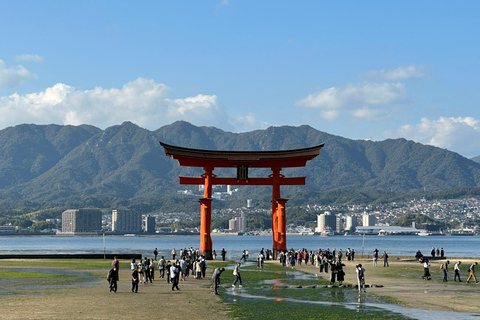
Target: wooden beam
250 182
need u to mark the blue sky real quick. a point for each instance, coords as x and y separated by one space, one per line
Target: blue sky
358 69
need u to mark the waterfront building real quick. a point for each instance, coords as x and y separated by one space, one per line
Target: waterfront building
351 223
150 224
387 230
326 219
126 221
369 220
238 224
81 221
8 229
340 225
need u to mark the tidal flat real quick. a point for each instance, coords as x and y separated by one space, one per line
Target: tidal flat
57 289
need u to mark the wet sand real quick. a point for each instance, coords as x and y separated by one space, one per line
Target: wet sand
402 281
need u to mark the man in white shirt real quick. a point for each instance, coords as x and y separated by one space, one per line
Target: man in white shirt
456 268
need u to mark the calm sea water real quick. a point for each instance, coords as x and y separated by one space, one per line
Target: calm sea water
454 246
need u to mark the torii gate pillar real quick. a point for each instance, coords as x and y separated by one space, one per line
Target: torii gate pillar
205 222
206 215
280 228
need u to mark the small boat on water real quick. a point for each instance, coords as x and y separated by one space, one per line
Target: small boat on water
327 232
424 233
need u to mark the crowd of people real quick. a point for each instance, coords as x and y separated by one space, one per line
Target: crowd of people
189 262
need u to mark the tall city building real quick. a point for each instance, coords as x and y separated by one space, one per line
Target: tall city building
81 220
326 219
126 221
150 224
369 220
340 225
238 224
351 224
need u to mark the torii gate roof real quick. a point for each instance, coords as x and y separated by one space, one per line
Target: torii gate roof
254 159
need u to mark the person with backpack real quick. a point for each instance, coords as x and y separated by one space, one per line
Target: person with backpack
146 271
112 279
471 270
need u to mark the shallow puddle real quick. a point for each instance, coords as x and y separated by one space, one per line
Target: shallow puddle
360 305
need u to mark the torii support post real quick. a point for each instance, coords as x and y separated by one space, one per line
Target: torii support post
206 215
280 235
205 222
275 176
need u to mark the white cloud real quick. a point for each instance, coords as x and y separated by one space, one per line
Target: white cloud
248 122
461 135
366 100
13 77
143 101
400 73
223 3
29 57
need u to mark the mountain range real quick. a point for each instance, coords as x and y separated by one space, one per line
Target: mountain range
60 165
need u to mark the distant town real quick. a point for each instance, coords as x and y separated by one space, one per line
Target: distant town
451 217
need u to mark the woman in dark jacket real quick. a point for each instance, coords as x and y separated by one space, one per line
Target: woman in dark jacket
340 272
333 271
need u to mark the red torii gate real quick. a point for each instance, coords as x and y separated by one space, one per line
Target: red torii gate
242 160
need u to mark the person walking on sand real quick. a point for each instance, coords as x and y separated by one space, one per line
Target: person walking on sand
112 279
375 257
456 269
426 270
444 267
238 277
360 278
135 280
161 267
155 253
174 275
471 269
174 253
385 259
